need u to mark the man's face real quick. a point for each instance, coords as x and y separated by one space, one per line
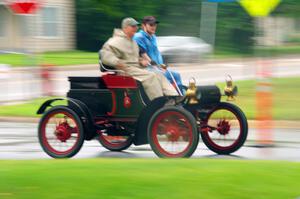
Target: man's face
150 28
130 30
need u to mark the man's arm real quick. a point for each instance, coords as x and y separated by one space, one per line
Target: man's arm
145 56
109 56
141 43
142 48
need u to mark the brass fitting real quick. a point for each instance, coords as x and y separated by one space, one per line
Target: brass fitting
230 90
191 92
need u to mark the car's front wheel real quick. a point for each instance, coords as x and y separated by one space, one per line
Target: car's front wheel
225 129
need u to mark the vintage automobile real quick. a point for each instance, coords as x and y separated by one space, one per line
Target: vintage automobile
114 109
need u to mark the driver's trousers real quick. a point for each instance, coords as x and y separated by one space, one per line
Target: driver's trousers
155 84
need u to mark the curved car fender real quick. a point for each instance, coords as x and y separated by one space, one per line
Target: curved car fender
80 108
47 103
144 118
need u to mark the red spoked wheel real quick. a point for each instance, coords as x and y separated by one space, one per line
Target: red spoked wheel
225 129
172 133
61 132
115 143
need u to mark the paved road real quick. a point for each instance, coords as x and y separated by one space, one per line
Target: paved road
19 141
20 84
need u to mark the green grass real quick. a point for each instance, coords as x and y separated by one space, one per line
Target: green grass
148 178
285 94
64 58
259 51
70 58
229 54
278 51
17 60
53 58
26 109
286 100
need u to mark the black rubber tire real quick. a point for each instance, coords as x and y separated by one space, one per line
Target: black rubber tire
243 133
113 147
78 144
192 122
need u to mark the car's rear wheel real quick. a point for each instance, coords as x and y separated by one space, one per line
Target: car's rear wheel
172 133
115 143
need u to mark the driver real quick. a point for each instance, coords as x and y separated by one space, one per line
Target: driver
122 53
147 42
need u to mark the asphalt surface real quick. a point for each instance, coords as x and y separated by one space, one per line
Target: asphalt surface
19 141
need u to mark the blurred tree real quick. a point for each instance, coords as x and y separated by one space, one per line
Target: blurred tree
235 28
289 8
96 19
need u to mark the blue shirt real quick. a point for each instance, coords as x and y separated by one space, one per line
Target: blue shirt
148 44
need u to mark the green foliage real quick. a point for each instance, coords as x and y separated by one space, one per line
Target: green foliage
235 29
288 8
97 18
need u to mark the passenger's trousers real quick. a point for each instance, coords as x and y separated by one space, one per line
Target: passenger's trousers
155 84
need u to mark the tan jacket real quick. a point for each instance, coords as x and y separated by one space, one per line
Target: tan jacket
120 48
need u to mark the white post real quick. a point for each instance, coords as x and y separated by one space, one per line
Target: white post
208 22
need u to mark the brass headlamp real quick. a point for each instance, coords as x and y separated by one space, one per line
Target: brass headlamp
230 90
191 92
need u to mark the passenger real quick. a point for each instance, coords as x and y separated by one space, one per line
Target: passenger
122 53
146 39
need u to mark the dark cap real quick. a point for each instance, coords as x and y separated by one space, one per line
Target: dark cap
150 20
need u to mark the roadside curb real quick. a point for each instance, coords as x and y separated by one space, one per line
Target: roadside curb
20 119
279 124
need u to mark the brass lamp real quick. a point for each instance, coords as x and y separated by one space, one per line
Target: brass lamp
191 92
230 90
